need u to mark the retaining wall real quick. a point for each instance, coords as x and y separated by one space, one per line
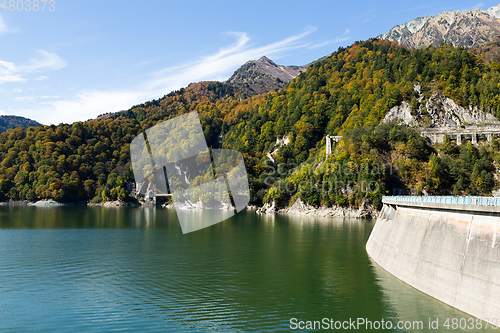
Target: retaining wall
453 256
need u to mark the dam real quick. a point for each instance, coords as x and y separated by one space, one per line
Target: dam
446 247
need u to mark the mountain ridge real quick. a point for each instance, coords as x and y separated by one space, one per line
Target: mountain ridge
348 93
10 122
470 29
262 75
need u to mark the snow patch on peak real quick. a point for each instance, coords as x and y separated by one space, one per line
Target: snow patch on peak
494 11
467 29
417 23
400 32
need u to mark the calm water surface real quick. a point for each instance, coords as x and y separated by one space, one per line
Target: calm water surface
75 269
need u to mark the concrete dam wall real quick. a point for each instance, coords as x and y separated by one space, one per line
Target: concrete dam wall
450 250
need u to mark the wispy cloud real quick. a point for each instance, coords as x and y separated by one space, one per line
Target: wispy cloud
10 72
336 40
88 104
4 28
45 61
33 98
478 5
365 16
411 9
226 59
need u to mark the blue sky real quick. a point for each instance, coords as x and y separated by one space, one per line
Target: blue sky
86 58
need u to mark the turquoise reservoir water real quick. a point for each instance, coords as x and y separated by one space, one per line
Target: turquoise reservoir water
97 269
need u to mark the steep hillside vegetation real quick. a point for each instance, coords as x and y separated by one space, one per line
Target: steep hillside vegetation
347 93
356 87
490 52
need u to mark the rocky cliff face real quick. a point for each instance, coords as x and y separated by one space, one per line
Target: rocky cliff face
469 30
304 209
438 111
260 76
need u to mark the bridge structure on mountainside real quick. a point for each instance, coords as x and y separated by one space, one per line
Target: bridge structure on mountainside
436 135
329 143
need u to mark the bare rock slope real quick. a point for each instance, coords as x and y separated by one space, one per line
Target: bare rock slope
262 75
438 111
471 29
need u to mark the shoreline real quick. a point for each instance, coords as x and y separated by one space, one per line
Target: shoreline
298 208
53 203
304 209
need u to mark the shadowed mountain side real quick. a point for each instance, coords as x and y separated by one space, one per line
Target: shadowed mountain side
490 52
9 122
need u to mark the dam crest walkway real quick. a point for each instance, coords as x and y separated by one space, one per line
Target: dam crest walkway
455 203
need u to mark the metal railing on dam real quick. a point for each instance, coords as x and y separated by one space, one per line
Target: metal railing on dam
455 203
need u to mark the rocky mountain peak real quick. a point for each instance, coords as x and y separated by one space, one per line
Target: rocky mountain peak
265 60
470 29
262 75
494 11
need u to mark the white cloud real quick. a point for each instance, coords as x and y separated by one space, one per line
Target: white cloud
419 8
32 98
4 28
226 59
46 61
10 72
88 104
25 98
11 78
336 40
365 16
478 5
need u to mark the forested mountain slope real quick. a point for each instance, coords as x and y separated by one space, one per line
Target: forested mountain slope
9 122
347 93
